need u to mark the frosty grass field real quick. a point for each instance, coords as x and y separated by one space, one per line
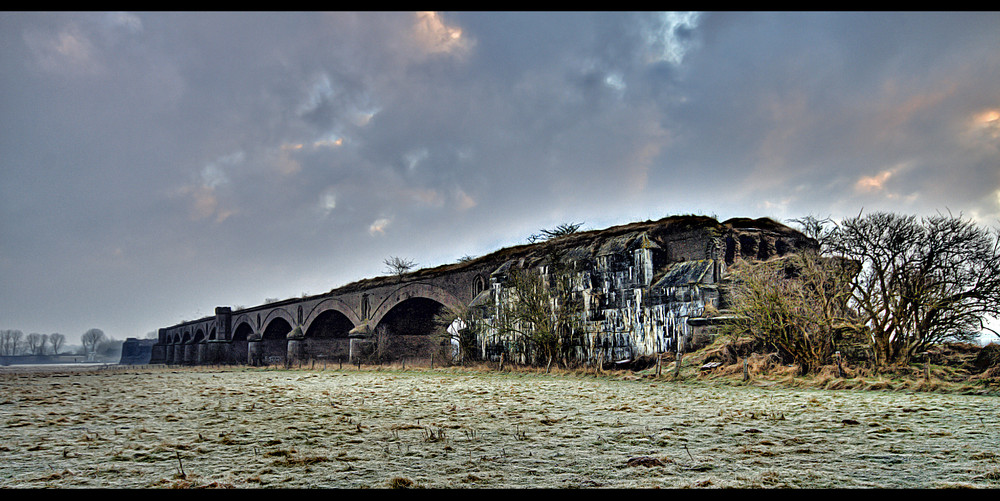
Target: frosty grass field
445 428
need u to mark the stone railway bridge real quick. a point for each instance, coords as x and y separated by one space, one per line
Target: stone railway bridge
330 326
395 315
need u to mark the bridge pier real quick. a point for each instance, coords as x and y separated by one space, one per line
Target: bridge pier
255 352
296 351
236 352
201 353
158 354
213 352
190 354
169 357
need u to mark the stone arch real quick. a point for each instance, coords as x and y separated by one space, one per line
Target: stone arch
183 353
325 334
274 338
406 330
242 333
194 353
326 305
246 320
478 285
274 314
415 290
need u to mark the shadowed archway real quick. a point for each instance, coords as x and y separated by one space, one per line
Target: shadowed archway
238 348
274 341
408 330
326 338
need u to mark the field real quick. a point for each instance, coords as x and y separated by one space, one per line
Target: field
452 428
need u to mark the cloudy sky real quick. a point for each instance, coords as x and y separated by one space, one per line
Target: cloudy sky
156 165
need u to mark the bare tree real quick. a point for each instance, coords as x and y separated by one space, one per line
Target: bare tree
820 230
57 340
110 347
559 231
398 266
9 341
91 339
36 343
920 282
540 317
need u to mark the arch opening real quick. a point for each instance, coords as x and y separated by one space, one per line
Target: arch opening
238 348
408 330
327 337
274 342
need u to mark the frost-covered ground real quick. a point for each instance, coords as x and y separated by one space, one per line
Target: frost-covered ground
148 427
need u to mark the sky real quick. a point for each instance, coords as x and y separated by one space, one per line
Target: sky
155 165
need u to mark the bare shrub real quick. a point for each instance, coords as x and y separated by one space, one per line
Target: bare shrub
798 304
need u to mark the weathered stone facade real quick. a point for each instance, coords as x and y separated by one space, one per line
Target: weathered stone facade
638 285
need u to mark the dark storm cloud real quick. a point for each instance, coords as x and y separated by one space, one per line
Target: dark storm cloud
155 165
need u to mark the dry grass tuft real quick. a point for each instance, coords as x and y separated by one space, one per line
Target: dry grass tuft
646 461
401 483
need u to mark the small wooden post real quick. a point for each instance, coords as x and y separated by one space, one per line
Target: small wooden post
659 363
680 355
746 369
840 367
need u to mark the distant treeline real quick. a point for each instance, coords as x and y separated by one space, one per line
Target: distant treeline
14 342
